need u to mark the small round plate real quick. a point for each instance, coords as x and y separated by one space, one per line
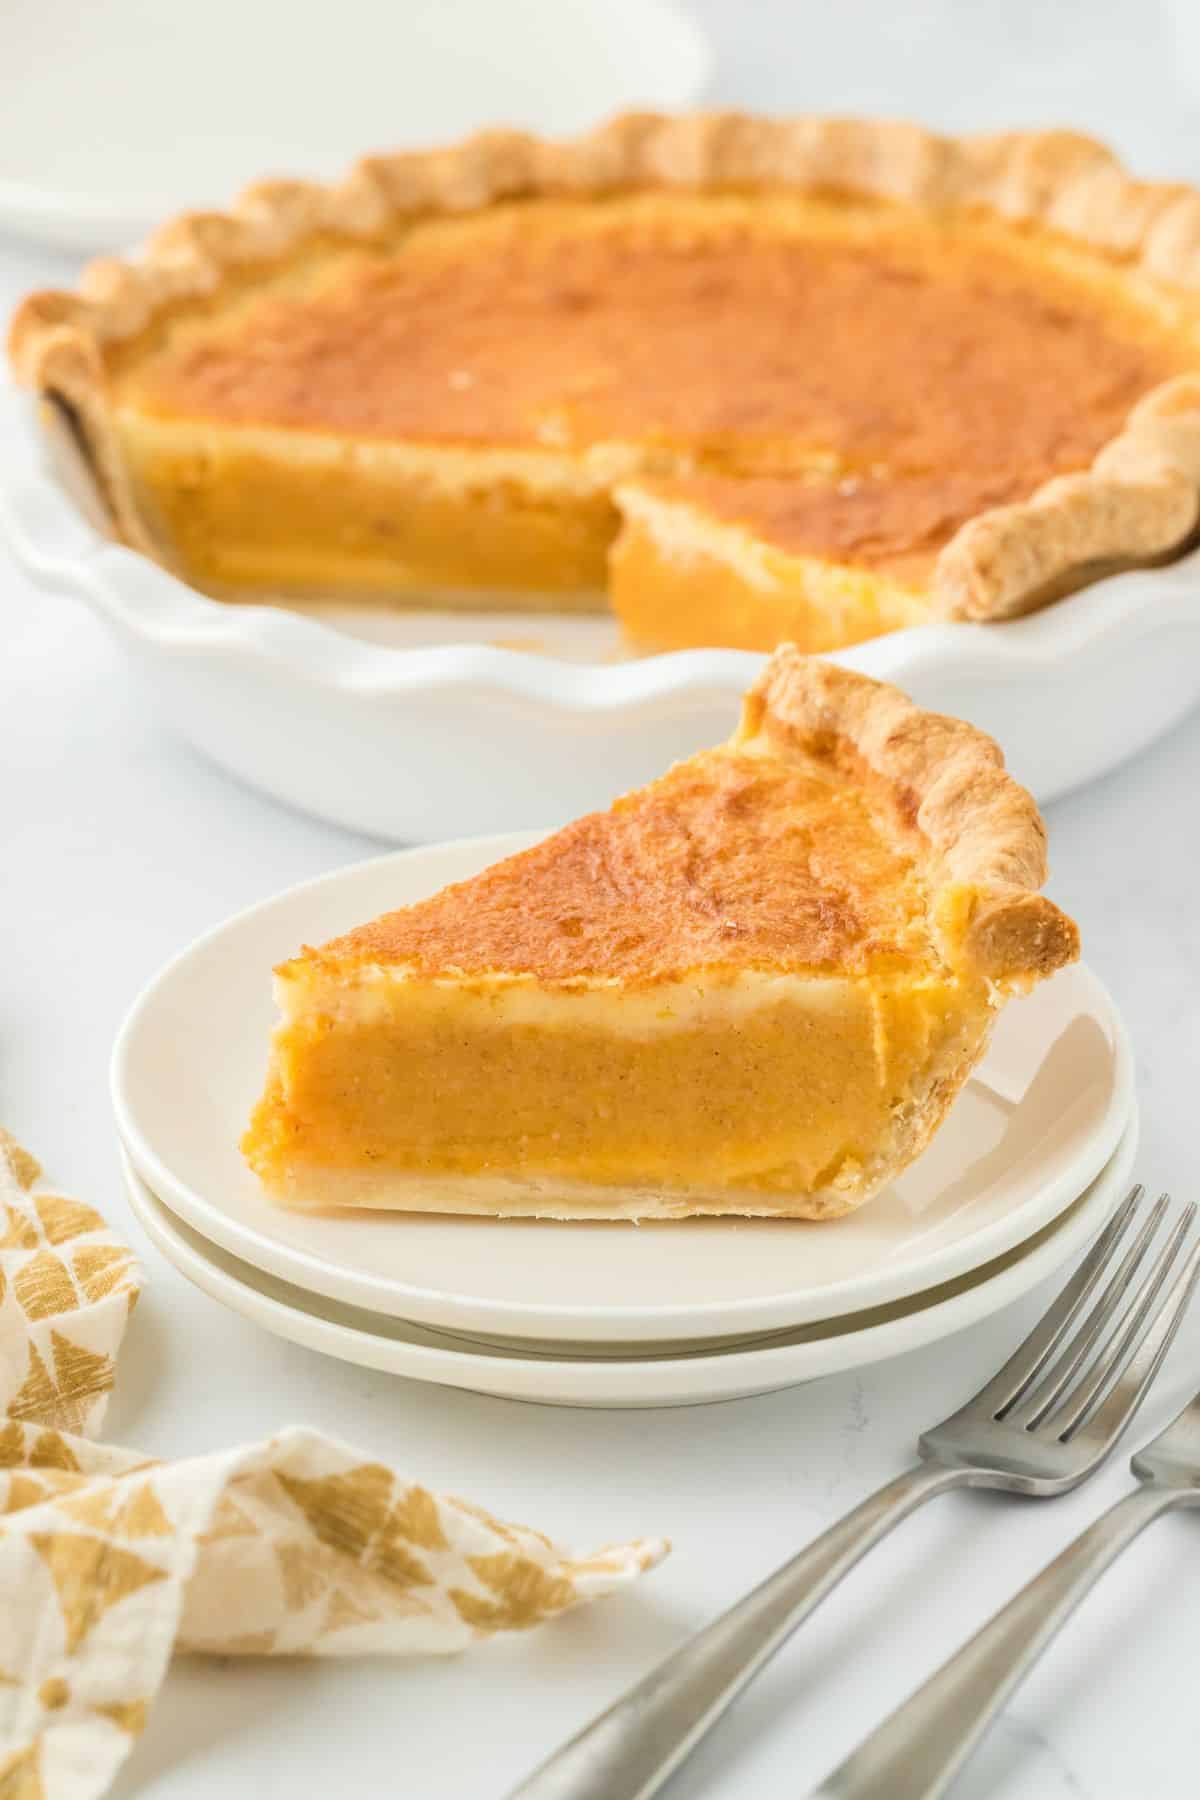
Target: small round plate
557 1375
1037 1122
99 141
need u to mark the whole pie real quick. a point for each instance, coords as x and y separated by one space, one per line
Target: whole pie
753 987
806 379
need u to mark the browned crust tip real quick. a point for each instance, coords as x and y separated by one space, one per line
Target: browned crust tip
947 781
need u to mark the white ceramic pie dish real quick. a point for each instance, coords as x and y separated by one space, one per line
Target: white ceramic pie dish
422 726
558 1374
1034 1125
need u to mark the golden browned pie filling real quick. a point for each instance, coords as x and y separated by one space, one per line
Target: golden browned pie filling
731 861
443 382
752 987
772 332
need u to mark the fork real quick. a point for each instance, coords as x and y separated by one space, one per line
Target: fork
1041 1426
916 1753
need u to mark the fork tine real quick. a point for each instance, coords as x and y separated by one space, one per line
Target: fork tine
1027 1361
1035 1405
1134 1358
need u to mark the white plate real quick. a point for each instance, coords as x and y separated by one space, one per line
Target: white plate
553 1376
1035 1124
416 726
118 114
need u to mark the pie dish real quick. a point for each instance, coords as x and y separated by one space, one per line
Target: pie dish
753 987
971 361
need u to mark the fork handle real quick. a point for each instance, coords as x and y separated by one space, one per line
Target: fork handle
630 1750
916 1753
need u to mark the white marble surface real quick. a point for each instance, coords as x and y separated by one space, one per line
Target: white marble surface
119 846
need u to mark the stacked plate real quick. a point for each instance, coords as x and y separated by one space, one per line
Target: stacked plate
1036 1152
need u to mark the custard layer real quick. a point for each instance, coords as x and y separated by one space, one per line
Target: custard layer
784 1086
256 509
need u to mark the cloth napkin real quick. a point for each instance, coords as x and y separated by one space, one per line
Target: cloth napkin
109 1560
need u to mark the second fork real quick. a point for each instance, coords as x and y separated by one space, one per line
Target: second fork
1041 1426
917 1752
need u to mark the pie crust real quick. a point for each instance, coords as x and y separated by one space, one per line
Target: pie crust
1138 500
754 987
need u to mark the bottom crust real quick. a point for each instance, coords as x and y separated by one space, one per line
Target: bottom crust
315 1189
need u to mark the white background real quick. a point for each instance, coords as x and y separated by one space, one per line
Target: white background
118 846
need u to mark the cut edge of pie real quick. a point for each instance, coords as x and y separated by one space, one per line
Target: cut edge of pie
744 562
1137 502
754 987
754 561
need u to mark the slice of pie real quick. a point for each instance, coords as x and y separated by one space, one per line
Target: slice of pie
753 987
430 383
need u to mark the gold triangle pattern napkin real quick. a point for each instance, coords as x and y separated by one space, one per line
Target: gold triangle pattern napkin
109 1560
